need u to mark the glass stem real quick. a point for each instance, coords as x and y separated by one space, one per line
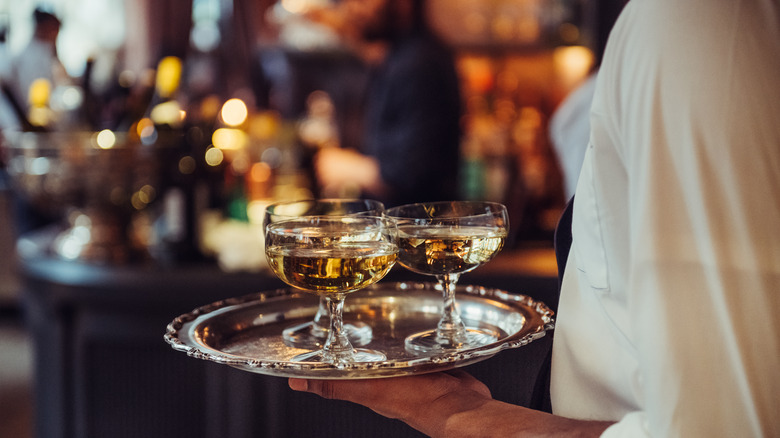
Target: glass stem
320 325
451 327
337 347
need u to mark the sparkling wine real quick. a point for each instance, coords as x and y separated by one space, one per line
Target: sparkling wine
340 268
439 250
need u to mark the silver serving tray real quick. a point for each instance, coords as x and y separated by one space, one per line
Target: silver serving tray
245 332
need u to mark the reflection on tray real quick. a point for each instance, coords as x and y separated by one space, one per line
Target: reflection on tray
245 332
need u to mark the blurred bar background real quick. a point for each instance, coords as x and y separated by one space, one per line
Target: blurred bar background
133 192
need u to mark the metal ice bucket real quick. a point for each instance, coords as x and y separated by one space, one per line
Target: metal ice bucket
100 183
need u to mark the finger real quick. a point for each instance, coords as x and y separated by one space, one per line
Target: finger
298 384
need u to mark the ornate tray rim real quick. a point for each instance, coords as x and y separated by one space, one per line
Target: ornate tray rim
178 336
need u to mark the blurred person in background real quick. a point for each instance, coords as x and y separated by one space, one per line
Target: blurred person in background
35 70
569 131
570 123
411 142
38 60
669 317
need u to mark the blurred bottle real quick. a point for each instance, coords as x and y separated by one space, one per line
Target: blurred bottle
164 129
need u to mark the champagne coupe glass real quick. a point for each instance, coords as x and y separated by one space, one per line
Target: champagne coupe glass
446 239
332 256
313 334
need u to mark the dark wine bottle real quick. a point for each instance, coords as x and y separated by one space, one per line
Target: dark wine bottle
180 204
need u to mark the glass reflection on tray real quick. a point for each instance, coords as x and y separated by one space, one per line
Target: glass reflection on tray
245 332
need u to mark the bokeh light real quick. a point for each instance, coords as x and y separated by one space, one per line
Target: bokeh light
214 157
234 112
105 139
187 165
229 139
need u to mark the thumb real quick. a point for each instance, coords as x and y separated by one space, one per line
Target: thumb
298 384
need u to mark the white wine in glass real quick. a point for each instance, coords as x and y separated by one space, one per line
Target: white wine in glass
332 256
446 239
312 334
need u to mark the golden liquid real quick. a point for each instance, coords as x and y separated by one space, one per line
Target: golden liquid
433 250
342 268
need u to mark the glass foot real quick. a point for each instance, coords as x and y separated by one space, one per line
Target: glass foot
344 357
311 336
431 342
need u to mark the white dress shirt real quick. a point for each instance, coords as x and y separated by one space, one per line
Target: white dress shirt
669 318
38 60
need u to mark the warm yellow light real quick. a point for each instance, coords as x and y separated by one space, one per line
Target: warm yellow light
234 112
39 115
214 157
572 62
229 139
167 113
106 139
295 6
168 76
39 92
